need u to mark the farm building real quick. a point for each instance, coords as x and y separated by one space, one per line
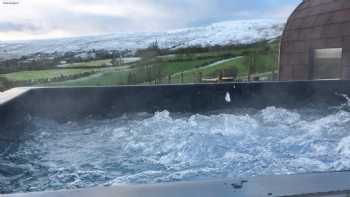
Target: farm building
316 41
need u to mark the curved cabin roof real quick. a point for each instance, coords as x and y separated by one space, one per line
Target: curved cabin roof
315 24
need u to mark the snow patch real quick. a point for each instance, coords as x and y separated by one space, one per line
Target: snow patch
223 33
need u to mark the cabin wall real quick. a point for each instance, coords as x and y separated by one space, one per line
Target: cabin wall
315 24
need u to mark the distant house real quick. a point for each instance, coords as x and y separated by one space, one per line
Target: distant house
316 41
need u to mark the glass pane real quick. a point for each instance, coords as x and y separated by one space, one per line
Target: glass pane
327 63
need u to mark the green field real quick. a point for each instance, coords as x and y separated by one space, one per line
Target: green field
257 59
114 77
263 64
44 74
96 63
191 69
139 73
210 71
100 63
174 67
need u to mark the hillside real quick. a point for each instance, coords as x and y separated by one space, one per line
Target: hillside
223 33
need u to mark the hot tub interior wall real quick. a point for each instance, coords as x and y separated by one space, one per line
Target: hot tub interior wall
64 104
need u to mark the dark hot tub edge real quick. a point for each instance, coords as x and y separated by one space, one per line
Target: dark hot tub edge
70 103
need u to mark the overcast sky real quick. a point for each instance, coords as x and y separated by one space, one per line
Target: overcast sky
35 19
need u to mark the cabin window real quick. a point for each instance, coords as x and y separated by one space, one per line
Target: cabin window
327 63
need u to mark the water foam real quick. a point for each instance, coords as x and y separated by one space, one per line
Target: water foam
166 147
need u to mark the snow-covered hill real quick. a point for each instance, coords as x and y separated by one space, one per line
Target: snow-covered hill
229 32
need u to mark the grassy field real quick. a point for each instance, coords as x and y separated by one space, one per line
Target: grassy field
44 74
191 69
210 71
263 64
259 59
139 73
113 77
99 63
175 67
96 63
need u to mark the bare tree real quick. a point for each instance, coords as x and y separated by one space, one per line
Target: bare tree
153 50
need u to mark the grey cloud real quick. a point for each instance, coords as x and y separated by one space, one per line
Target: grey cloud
168 14
12 26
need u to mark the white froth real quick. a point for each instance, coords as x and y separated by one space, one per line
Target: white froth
165 147
344 147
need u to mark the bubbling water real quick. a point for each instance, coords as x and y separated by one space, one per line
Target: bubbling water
165 147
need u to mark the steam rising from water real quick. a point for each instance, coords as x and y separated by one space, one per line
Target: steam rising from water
164 147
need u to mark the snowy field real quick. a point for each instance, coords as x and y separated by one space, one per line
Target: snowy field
229 32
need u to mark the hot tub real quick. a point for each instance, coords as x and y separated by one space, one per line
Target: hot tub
177 140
